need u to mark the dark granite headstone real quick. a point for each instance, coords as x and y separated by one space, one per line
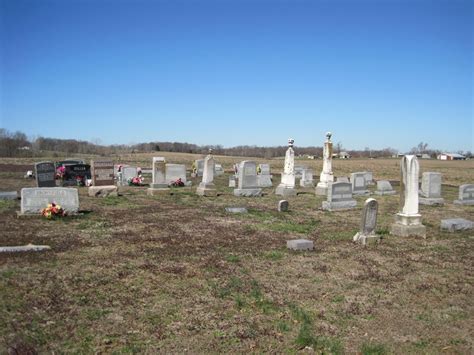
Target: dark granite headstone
45 173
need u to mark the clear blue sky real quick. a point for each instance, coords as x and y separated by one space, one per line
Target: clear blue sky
379 73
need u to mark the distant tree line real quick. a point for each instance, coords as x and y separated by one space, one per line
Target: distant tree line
17 144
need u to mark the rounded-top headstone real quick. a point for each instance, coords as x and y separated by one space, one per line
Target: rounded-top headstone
283 206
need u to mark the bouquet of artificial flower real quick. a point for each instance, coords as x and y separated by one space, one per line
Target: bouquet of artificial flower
53 210
177 183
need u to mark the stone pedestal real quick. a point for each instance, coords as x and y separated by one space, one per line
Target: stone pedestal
365 239
408 225
206 189
103 191
285 190
385 192
248 192
338 205
431 201
300 244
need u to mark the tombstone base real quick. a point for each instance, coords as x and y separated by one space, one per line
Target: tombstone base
300 244
153 191
408 225
336 206
365 239
103 191
283 190
9 195
456 224
248 192
431 201
464 202
321 189
236 209
388 192
361 193
206 190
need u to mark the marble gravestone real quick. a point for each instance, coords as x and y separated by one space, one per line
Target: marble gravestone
232 181
339 197
264 178
456 224
368 223
287 185
307 178
408 220
247 185
359 183
384 188
369 178
173 172
159 184
34 199
430 193
102 172
45 173
299 171
326 176
218 169
206 186
466 195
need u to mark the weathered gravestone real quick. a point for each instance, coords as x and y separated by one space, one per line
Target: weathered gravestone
218 169
408 220
430 193
287 184
456 224
327 175
264 178
236 209
283 206
128 173
159 183
102 172
247 185
359 183
45 174
307 178
198 167
34 199
175 172
466 195
369 178
206 186
300 244
8 195
299 171
342 179
368 223
232 181
76 175
384 188
339 197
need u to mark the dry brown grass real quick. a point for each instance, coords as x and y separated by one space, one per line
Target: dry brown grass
175 273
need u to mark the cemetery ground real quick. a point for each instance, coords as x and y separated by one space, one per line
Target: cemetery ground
176 273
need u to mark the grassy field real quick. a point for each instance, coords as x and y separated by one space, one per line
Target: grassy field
176 273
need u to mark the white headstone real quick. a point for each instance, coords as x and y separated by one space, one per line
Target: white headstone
206 186
466 195
408 220
359 183
326 175
34 199
287 185
368 223
430 193
248 185
339 197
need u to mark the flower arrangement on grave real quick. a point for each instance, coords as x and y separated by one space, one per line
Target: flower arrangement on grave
177 183
53 211
135 181
60 172
80 180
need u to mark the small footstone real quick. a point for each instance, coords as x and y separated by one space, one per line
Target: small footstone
236 209
8 195
283 206
456 224
300 244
